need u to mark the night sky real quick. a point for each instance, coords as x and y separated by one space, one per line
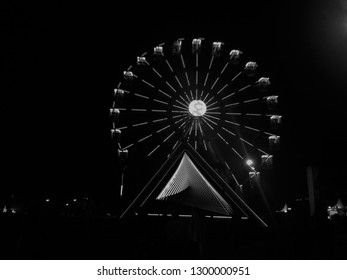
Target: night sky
63 62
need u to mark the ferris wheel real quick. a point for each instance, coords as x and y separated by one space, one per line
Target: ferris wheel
205 93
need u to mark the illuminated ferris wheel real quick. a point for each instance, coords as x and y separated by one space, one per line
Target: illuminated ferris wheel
204 93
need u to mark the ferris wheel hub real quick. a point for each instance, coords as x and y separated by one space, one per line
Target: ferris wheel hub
197 108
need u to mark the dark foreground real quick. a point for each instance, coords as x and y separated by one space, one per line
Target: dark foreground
64 237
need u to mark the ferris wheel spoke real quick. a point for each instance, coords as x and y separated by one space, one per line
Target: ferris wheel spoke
191 94
168 137
211 62
236 76
215 82
181 103
263 152
182 60
184 100
232 104
179 111
141 96
159 111
209 105
233 123
179 107
225 67
201 94
251 100
248 143
160 101
160 120
163 92
213 117
186 74
189 100
156 148
253 114
229 95
139 124
162 129
252 128
223 88
208 102
241 157
233 113
156 72
204 119
207 118
178 81
228 131
206 78
221 137
147 83
211 109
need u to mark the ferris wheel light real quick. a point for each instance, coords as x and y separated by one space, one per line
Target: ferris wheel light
114 113
235 56
177 47
118 93
264 83
141 60
249 162
274 142
272 102
266 161
158 51
116 134
197 108
128 75
196 45
275 121
217 48
250 68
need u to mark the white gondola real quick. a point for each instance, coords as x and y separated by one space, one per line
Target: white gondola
114 113
116 135
250 68
141 60
274 142
128 75
158 51
123 155
272 102
177 47
275 121
235 56
266 161
264 83
196 45
217 49
118 93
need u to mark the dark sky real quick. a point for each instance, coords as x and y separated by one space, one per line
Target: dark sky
62 63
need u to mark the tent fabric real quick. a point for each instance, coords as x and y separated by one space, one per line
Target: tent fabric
188 186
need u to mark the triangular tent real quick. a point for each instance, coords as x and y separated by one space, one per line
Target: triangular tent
339 204
194 183
196 190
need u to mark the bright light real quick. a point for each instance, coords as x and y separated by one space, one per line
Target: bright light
249 162
47 200
197 108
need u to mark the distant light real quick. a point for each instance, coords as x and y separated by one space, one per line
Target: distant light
47 200
249 162
75 200
67 204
